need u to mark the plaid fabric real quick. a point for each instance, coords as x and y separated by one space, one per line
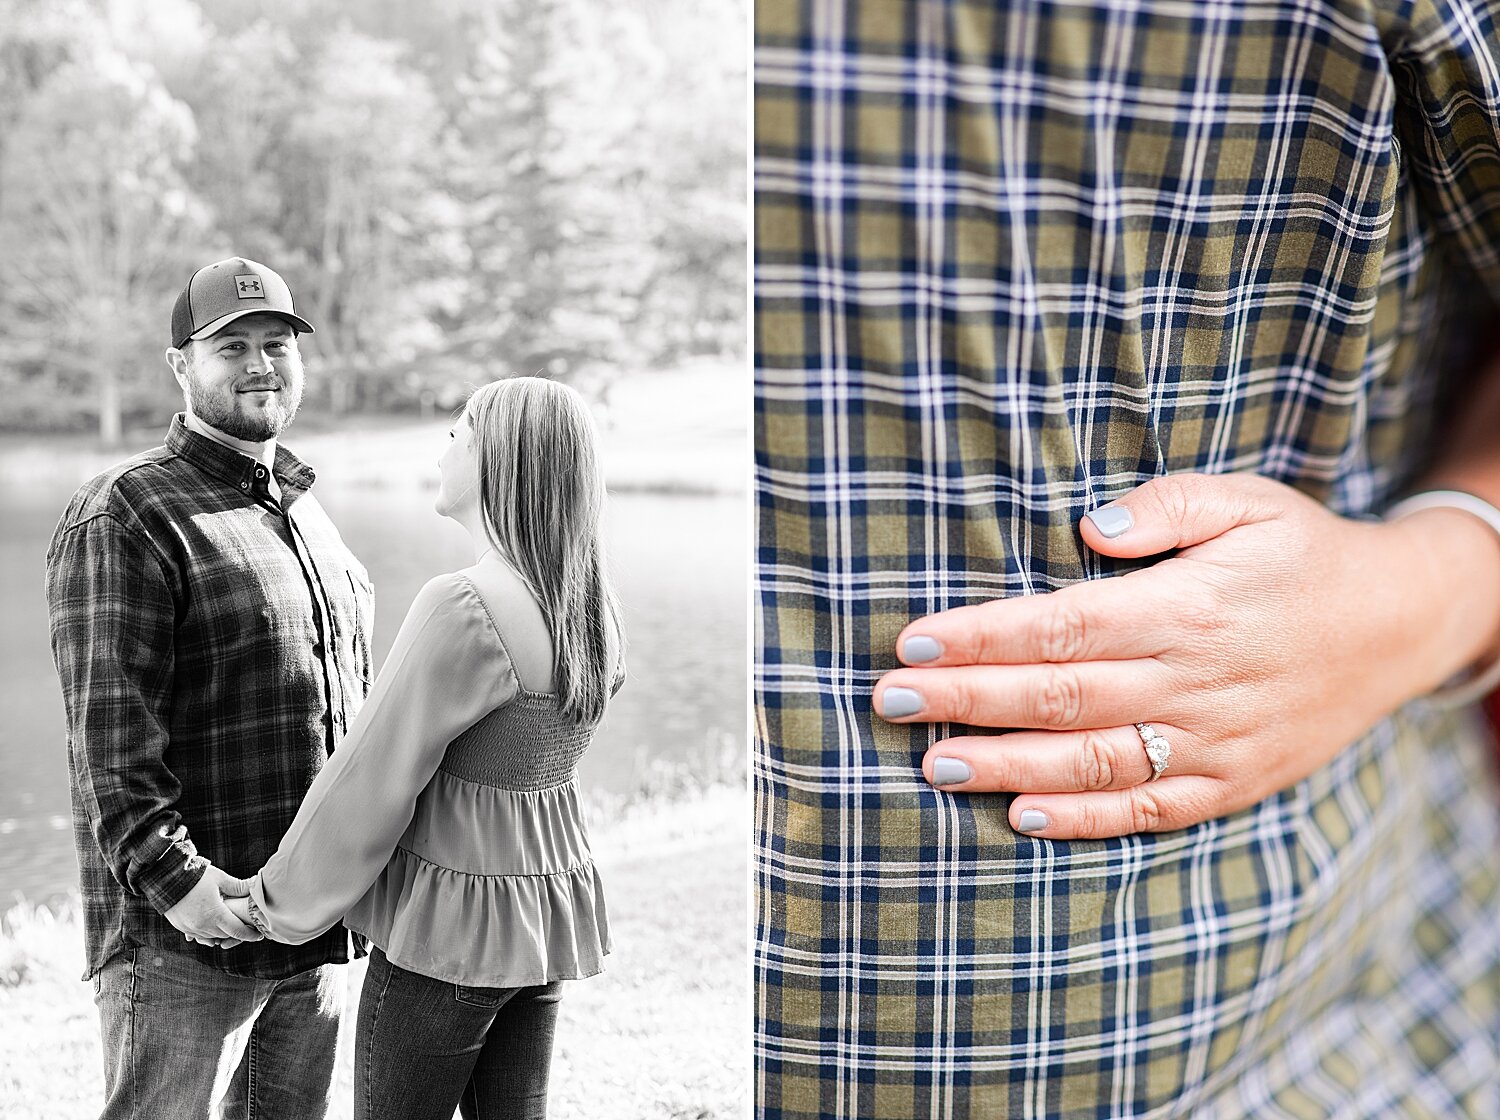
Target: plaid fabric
212 646
1013 260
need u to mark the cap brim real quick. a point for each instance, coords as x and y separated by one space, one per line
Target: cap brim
301 325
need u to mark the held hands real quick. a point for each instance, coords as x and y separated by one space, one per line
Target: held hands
1277 635
205 915
240 907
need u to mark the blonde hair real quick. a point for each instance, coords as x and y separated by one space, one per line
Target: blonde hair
541 497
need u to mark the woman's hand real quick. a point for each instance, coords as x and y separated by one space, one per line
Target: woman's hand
240 908
1276 636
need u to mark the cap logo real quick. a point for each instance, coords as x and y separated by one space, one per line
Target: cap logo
248 287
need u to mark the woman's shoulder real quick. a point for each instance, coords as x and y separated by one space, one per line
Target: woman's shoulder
517 617
449 591
449 608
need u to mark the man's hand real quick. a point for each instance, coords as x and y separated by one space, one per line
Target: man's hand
1276 634
203 916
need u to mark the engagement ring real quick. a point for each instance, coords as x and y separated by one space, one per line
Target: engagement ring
1157 749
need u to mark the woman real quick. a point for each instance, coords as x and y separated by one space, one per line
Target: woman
447 828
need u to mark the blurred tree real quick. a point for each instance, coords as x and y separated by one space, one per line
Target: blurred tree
604 195
512 194
244 119
169 36
36 36
360 209
455 191
98 222
556 192
695 222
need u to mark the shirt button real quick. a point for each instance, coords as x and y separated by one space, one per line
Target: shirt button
318 649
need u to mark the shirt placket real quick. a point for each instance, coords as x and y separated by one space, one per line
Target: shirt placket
325 646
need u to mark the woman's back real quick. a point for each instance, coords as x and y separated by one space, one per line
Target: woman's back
493 882
456 793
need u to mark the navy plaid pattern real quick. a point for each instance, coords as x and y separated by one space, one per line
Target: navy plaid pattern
1013 260
212 646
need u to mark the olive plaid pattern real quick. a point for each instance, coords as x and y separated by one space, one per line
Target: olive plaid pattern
212 646
1011 261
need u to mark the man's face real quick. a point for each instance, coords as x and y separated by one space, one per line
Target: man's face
246 381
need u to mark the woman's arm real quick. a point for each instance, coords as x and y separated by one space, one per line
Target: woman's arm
1277 635
446 670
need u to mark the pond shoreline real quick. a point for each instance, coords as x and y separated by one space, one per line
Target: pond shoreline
665 432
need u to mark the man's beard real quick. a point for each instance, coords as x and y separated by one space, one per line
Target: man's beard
221 409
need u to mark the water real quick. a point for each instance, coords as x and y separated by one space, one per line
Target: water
679 564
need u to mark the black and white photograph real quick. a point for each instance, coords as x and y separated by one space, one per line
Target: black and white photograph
374 543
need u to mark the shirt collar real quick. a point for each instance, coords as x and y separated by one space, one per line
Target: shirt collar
239 470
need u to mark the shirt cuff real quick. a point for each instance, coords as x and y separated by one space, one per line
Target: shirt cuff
258 920
168 878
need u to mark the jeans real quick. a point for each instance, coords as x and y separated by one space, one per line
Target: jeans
184 1040
424 1047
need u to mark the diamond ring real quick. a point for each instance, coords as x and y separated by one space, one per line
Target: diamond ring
1157 749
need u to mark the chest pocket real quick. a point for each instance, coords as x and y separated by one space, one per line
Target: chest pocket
353 621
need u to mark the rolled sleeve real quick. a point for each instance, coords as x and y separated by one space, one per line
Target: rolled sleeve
1445 59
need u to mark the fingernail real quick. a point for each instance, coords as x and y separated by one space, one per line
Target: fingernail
1111 521
1033 820
898 702
918 649
950 771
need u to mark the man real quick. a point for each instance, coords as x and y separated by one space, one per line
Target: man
211 632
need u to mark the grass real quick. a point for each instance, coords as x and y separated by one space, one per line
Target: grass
661 1035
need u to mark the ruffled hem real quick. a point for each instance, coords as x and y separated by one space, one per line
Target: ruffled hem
496 931
483 830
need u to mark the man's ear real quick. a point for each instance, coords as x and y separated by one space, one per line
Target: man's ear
178 362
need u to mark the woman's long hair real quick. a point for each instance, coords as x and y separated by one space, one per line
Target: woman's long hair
541 495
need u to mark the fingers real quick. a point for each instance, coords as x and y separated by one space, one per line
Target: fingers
1083 785
1053 697
227 885
231 926
220 922
1161 806
215 942
1047 762
1181 510
1102 620
230 887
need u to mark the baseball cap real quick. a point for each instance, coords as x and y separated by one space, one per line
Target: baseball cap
220 293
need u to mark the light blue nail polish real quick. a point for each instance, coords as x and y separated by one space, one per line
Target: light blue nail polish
1033 820
950 771
1111 521
919 648
898 702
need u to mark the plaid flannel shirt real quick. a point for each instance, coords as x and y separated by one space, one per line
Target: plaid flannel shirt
212 645
1011 261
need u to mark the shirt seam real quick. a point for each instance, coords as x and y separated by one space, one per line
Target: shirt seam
570 780
585 864
139 535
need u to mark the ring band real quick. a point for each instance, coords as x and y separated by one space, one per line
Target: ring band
1158 750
